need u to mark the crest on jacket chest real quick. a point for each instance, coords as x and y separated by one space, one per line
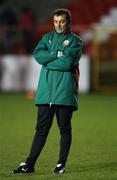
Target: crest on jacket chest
66 42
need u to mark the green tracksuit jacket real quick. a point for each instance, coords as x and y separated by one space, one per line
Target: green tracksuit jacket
59 54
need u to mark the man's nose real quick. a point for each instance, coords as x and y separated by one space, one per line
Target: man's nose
59 25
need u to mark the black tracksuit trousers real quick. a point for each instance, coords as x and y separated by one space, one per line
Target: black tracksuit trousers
44 122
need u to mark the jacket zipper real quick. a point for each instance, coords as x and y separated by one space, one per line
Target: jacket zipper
50 104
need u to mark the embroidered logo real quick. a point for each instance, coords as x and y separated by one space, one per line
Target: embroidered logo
50 41
66 43
59 54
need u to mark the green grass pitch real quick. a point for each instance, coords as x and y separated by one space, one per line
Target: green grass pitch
93 154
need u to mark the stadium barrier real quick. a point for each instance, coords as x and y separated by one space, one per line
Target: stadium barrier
104 64
21 73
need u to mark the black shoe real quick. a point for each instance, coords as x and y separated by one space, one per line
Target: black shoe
23 168
60 168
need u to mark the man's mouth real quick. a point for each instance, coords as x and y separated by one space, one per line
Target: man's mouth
59 29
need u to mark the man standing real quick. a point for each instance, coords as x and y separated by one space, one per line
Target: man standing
59 53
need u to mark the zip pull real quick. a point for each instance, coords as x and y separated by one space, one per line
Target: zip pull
50 105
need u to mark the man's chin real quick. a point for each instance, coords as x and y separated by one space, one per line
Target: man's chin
59 31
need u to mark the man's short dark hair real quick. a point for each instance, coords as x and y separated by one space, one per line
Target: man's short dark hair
65 12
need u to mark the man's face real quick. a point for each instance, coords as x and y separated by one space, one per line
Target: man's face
60 23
